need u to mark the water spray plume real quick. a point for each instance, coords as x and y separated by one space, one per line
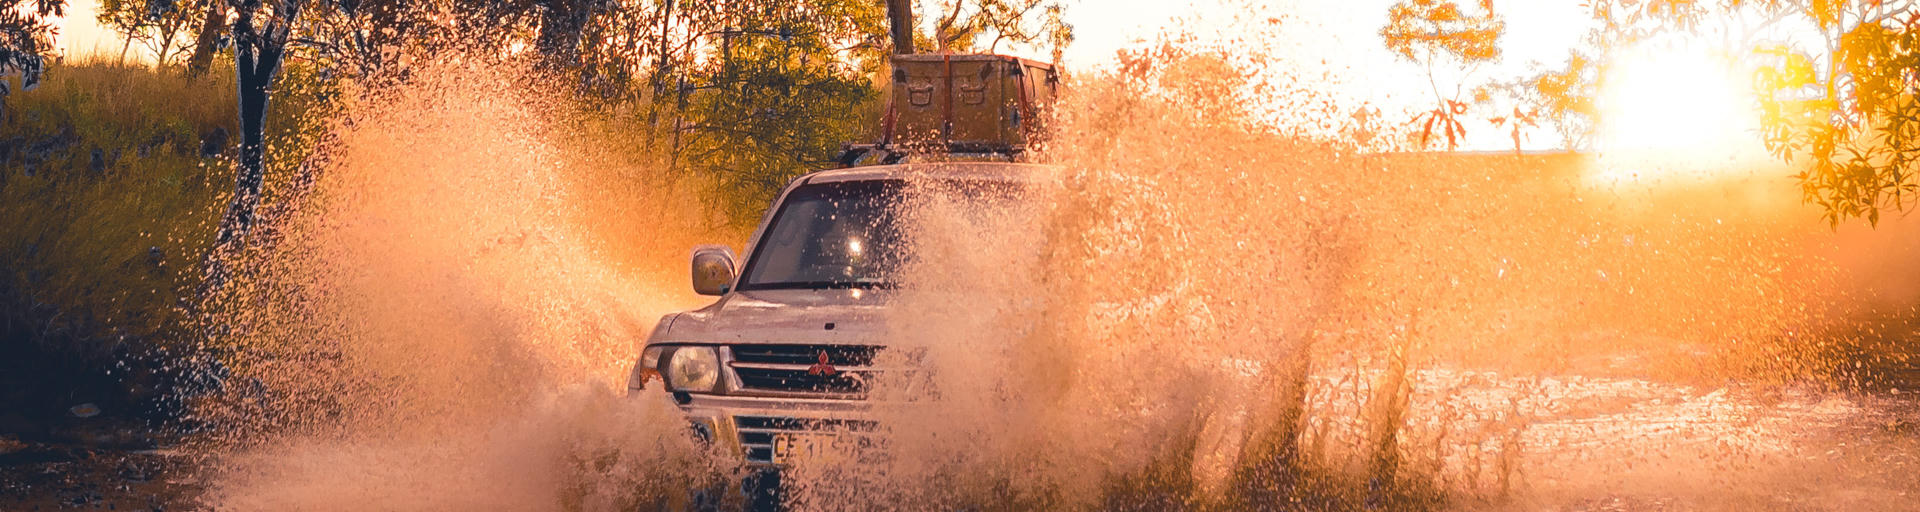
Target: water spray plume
1223 315
438 327
1197 311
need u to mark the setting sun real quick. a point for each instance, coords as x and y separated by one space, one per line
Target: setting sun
1675 107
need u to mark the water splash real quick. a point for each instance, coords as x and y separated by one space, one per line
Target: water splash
437 326
1217 314
1226 315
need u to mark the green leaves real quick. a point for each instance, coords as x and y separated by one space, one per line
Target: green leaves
1878 60
1842 108
26 35
763 110
1854 126
1422 30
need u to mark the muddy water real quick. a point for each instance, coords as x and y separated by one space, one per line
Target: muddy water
1200 312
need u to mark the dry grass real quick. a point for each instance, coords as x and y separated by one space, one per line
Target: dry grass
112 195
113 180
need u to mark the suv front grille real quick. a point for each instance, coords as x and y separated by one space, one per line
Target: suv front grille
798 369
837 355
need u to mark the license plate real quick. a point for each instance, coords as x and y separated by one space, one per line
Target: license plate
816 448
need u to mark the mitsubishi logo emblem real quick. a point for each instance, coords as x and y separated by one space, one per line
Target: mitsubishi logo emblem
822 368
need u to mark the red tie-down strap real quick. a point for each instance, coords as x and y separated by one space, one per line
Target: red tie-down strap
946 109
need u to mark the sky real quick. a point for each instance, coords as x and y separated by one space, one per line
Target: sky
1340 39
1345 33
80 34
1336 38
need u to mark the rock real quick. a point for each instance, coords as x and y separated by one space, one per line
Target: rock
213 143
134 473
47 147
86 410
83 498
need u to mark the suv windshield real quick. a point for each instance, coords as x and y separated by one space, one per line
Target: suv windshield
829 235
847 234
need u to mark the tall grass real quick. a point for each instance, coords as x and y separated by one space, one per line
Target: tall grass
112 184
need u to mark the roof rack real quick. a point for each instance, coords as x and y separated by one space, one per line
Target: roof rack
854 155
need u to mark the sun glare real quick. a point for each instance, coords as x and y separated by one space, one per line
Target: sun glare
1676 113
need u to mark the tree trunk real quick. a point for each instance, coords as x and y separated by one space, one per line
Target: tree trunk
559 38
251 173
203 45
900 16
258 52
128 45
943 31
173 26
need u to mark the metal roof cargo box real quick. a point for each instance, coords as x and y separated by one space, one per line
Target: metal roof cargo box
948 101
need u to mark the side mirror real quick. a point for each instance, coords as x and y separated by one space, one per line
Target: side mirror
712 269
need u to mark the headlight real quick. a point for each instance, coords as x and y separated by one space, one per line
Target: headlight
693 369
645 370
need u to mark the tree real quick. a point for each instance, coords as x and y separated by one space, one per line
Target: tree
1565 96
1440 33
743 96
1849 117
26 37
129 18
777 97
214 22
561 23
159 25
362 38
740 95
962 25
260 35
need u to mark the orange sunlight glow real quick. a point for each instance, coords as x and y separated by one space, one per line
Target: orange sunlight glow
1677 114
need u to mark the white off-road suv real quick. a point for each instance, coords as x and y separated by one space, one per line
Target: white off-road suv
780 366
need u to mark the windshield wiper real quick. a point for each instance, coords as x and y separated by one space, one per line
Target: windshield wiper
817 285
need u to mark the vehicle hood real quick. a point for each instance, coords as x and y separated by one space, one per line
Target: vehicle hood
856 317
